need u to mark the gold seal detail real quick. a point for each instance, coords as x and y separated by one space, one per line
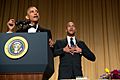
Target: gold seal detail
16 47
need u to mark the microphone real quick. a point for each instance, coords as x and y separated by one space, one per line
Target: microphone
22 22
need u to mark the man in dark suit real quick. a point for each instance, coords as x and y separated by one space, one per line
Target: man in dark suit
70 51
32 16
33 27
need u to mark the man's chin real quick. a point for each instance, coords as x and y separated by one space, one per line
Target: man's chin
71 34
35 21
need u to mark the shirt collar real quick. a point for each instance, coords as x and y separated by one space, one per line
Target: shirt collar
68 40
33 29
68 37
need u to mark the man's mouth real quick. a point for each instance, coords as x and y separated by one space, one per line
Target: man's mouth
71 29
35 17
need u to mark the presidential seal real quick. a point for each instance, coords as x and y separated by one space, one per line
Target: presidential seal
16 47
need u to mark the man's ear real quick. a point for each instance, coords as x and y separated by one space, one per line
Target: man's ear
26 17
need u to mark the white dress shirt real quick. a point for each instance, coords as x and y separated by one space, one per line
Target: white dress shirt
33 29
68 39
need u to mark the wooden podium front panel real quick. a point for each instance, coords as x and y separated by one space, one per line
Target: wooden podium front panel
26 76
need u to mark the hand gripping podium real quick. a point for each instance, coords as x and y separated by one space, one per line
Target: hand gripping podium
35 63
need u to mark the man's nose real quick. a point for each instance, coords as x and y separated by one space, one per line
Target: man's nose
35 13
71 27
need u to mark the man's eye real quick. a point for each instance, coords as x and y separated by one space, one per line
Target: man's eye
31 11
37 11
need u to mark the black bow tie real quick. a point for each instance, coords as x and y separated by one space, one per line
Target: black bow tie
34 26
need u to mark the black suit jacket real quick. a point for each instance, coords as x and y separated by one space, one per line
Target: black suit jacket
70 65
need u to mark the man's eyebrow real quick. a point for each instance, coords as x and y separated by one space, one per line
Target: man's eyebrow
36 10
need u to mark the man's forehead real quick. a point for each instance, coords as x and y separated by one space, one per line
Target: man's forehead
70 23
32 8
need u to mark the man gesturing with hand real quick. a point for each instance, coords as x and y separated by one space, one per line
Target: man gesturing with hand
70 51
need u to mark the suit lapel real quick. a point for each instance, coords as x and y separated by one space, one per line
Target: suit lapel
39 29
77 41
65 42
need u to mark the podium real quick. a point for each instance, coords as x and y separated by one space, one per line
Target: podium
36 64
